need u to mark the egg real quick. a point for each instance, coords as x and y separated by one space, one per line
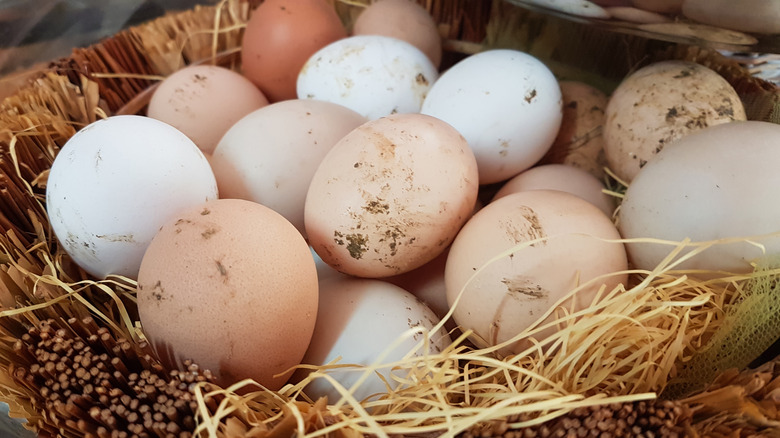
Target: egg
660 103
270 155
636 15
564 178
662 6
204 101
280 36
717 183
580 139
115 182
521 254
402 19
759 16
427 284
506 103
391 195
358 321
373 75
231 285
582 8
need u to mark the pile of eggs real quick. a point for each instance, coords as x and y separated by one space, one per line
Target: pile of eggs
756 16
325 202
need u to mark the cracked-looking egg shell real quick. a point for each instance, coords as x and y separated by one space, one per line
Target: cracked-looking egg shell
559 241
232 285
391 195
115 182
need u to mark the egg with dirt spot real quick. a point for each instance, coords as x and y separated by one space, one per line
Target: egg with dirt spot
373 75
115 182
391 195
521 255
231 285
659 104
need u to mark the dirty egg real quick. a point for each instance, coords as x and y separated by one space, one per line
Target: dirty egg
390 196
240 284
115 182
660 103
204 101
580 140
371 74
519 255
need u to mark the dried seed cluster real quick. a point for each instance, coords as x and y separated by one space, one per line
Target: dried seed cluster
652 419
92 385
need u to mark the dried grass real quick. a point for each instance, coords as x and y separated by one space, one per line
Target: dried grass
627 347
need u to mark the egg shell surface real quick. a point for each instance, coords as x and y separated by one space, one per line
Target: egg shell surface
270 155
232 285
564 178
506 103
115 182
280 36
560 242
373 75
204 101
360 320
391 195
580 139
405 20
660 103
716 183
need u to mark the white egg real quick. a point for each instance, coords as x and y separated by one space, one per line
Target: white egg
719 182
115 183
358 320
506 103
371 74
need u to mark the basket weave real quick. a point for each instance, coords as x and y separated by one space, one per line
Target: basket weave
50 304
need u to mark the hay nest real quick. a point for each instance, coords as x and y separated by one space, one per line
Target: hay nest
645 358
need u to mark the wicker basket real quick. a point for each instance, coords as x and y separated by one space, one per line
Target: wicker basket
73 360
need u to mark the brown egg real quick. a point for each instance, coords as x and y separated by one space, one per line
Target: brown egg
280 37
231 285
391 195
521 254
580 142
204 101
405 20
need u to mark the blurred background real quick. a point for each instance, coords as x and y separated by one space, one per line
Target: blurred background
37 31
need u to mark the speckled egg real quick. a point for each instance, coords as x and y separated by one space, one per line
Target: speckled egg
232 285
391 195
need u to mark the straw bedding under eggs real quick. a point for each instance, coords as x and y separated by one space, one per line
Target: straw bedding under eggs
644 360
